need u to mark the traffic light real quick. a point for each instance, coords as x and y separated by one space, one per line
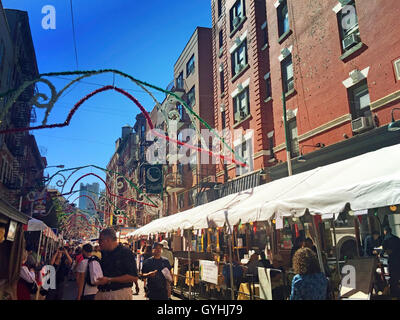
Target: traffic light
153 178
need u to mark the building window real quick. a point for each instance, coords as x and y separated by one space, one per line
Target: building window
348 26
287 74
223 119
245 151
222 79
191 97
268 91
221 42
293 138
181 201
283 18
192 197
180 168
397 69
219 8
181 112
271 147
264 34
190 66
241 105
236 14
239 58
359 100
179 81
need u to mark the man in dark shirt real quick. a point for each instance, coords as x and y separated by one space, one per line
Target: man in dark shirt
391 246
156 270
370 243
119 269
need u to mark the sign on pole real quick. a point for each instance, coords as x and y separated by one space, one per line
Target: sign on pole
209 271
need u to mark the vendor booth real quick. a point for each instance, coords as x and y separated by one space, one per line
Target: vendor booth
335 206
45 242
12 245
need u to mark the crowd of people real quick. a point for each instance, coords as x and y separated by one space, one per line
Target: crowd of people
110 270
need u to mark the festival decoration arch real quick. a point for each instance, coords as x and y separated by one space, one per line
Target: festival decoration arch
83 74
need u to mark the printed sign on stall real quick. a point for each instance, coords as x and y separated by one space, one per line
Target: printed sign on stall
208 271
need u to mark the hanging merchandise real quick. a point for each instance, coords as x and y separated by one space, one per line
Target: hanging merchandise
286 236
2 234
217 241
296 229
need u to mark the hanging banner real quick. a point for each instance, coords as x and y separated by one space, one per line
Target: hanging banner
279 223
208 271
361 212
39 206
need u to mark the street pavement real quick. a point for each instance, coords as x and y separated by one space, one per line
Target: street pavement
71 291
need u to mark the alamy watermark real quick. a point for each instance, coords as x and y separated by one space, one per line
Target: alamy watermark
48 273
49 20
190 146
349 17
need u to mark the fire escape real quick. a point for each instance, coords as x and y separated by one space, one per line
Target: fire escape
21 117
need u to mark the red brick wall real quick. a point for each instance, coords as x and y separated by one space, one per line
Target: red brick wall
319 71
258 60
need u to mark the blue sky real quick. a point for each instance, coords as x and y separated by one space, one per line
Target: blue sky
141 38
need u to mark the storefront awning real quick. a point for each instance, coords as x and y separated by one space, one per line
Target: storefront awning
38 225
367 181
10 212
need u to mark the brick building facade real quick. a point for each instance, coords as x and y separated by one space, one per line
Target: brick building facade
330 61
343 68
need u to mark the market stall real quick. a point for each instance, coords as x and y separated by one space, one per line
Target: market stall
312 203
45 241
12 245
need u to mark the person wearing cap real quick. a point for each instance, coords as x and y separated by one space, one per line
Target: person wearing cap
166 253
157 273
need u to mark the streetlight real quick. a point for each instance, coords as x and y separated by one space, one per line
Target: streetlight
61 166
394 125
301 157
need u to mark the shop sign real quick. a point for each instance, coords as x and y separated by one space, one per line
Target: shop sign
208 271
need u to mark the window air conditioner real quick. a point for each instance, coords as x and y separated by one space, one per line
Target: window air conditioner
291 85
239 68
351 40
361 124
237 116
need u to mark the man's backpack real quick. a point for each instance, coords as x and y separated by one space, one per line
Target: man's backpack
93 271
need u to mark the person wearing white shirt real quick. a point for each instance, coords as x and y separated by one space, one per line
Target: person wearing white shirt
85 290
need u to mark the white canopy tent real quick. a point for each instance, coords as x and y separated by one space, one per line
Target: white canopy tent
367 181
38 225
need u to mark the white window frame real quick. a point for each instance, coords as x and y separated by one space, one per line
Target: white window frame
235 56
238 105
194 95
194 65
248 139
268 87
396 65
235 14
